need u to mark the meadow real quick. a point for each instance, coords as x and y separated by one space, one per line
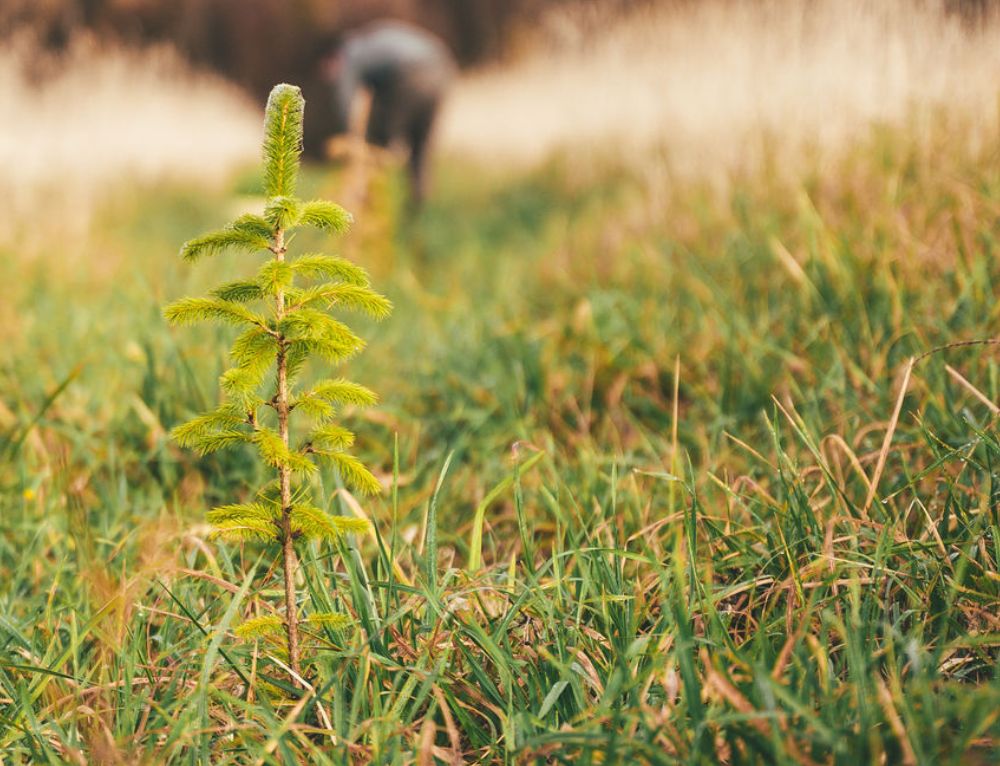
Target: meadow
678 467
664 481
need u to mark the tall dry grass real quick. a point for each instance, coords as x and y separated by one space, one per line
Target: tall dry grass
710 81
710 85
74 128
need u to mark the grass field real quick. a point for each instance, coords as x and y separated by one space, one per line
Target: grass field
670 477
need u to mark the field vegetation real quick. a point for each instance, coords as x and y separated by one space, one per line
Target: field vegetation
674 472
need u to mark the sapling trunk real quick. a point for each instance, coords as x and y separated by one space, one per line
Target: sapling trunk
294 328
285 478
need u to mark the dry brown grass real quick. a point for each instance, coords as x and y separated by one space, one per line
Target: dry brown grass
96 117
709 87
716 83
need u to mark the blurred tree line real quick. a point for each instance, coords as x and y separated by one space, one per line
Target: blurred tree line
232 35
255 42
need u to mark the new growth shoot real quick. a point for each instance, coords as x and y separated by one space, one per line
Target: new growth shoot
284 312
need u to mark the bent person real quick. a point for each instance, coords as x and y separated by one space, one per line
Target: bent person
407 71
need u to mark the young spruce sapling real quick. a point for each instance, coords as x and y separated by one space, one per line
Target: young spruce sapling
284 313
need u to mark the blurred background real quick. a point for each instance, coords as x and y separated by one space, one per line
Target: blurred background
98 88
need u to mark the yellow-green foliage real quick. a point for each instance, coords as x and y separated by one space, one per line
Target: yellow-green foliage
259 627
284 312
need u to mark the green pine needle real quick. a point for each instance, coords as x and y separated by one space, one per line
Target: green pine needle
260 627
241 384
313 324
212 431
315 408
318 265
354 297
331 436
319 403
326 216
276 453
236 237
341 391
333 351
245 531
242 511
254 350
282 140
314 524
283 212
256 225
352 471
329 620
274 276
192 310
245 521
242 291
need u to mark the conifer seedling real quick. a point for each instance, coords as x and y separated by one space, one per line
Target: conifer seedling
284 313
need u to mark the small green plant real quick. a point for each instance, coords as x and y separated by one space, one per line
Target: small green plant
284 313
